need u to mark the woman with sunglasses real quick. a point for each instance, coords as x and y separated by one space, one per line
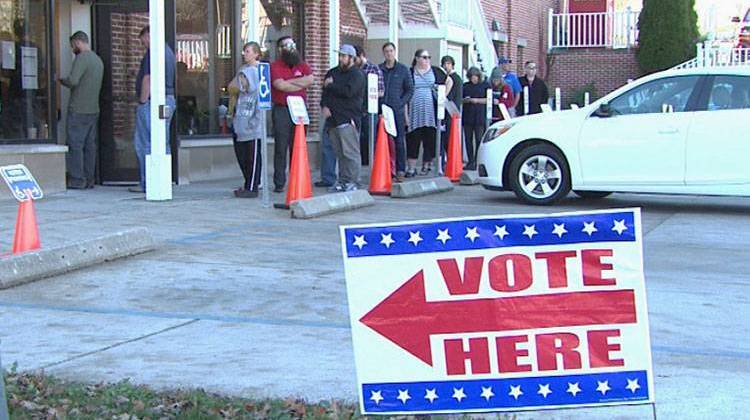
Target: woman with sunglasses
422 120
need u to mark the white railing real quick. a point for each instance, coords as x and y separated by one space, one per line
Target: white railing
708 55
592 30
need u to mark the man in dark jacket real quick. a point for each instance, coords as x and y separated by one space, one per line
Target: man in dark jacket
343 96
399 87
538 93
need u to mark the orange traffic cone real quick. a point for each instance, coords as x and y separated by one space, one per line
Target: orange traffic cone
300 184
454 167
380 179
27 232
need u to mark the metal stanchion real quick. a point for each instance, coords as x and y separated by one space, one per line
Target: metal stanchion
372 109
489 104
558 99
266 193
438 136
526 100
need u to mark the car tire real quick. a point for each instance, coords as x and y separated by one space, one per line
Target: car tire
592 195
539 175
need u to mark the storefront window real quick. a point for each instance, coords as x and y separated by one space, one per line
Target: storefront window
205 65
24 86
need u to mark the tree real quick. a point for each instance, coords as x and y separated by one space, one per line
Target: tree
668 34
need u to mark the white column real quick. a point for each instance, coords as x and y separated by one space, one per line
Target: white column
333 34
158 163
252 21
393 22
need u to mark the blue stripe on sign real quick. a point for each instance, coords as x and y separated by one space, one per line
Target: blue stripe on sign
489 233
489 394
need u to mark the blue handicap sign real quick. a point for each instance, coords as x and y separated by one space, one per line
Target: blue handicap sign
264 86
21 183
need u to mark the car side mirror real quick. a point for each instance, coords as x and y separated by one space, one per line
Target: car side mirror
604 111
736 19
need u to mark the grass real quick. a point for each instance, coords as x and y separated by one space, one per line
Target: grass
38 396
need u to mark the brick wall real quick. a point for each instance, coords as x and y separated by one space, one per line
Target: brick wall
607 69
316 54
352 25
126 59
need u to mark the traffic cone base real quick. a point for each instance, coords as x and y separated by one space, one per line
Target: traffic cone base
454 166
26 237
380 178
300 184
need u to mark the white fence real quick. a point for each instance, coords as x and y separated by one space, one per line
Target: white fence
592 30
708 55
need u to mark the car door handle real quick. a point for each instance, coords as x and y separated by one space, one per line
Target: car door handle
669 130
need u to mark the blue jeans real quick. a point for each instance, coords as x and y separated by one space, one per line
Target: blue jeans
327 159
142 137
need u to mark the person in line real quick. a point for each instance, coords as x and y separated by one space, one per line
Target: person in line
398 90
502 93
367 68
423 121
85 84
509 77
247 121
474 119
341 105
455 95
290 76
538 92
143 112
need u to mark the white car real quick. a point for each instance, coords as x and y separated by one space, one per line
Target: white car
674 132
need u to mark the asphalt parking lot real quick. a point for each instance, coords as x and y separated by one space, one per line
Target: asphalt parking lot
243 300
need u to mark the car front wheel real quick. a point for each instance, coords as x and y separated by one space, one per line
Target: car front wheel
539 175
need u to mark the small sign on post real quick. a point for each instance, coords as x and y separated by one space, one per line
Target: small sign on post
264 86
526 100
298 110
390 120
21 182
372 109
488 107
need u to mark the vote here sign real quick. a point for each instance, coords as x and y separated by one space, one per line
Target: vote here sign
500 313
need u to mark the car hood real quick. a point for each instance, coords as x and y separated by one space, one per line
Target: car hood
546 121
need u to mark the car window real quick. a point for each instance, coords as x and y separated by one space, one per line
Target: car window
652 97
729 92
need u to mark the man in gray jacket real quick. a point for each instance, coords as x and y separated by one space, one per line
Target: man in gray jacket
85 83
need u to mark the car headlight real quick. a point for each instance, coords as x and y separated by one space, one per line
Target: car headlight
496 132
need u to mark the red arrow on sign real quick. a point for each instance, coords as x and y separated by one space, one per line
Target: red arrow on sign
407 319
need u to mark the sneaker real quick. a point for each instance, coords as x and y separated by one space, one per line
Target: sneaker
425 170
335 188
323 184
411 173
90 184
351 186
242 193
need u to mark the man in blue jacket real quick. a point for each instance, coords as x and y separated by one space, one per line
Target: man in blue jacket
399 87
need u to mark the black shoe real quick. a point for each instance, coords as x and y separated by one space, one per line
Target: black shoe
323 184
136 190
90 184
278 189
245 194
410 173
72 185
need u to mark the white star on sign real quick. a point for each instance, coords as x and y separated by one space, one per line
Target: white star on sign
544 390
573 388
619 226
603 387
633 385
403 395
487 393
431 395
458 394
386 240
501 232
415 238
559 230
376 396
589 228
471 234
443 236
359 241
515 391
529 231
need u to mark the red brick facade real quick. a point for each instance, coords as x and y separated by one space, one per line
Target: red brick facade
606 69
126 59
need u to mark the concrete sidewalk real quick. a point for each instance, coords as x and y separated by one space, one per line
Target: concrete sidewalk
246 301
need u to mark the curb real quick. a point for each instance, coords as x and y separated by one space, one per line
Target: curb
421 187
330 203
469 178
33 266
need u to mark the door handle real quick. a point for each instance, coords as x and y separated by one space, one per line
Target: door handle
669 130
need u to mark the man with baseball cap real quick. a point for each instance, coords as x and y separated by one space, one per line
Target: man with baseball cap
503 70
343 96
